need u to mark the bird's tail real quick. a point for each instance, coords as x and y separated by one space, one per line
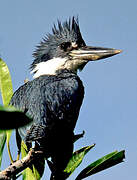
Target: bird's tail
60 157
56 174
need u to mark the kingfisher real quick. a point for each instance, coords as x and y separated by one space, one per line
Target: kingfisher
54 97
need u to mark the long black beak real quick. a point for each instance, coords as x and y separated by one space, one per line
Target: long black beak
91 53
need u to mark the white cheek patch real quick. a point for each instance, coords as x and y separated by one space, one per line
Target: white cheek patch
48 67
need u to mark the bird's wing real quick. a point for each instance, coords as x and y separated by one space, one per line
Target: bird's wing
52 102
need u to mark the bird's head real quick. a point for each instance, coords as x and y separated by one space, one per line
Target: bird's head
66 49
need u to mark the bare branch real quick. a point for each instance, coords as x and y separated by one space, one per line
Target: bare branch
20 165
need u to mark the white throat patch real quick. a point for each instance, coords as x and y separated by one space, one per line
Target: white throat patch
48 67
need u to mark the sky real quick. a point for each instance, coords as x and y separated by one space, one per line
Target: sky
108 114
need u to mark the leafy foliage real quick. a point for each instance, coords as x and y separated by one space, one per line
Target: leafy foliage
103 163
27 173
5 83
31 173
8 113
13 118
77 158
2 143
6 93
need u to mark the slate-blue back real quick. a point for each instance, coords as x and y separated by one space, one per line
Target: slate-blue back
53 102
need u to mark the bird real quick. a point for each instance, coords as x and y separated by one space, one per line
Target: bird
54 96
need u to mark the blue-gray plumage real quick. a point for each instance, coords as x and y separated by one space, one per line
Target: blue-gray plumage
53 99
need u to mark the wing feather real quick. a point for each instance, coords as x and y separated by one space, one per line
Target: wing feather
52 101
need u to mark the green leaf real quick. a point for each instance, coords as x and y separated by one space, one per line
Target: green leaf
76 159
6 93
27 173
13 118
5 83
31 173
102 164
2 144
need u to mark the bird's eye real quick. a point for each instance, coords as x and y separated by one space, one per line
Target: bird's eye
65 45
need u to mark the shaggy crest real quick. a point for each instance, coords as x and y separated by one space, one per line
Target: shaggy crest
68 31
